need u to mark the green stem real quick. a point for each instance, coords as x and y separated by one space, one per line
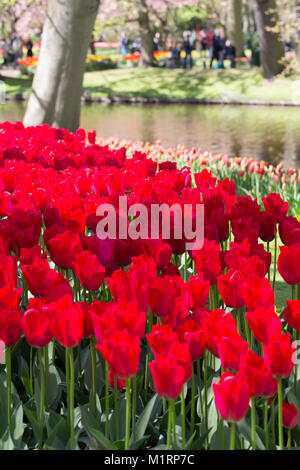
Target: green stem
185 267
173 423
275 263
253 423
164 405
42 395
269 272
222 434
53 351
93 357
127 433
68 381
289 442
46 359
238 320
134 402
79 360
199 387
116 397
232 437
30 370
169 426
8 375
280 428
193 399
266 423
273 420
106 400
205 396
183 418
71 404
149 329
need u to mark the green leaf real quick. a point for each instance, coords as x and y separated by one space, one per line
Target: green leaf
190 441
54 391
17 424
6 442
91 426
61 428
216 440
100 373
25 376
31 414
147 415
244 428
294 400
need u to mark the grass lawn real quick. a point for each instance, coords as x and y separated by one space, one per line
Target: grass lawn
196 83
240 83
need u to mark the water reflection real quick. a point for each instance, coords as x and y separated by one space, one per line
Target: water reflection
268 133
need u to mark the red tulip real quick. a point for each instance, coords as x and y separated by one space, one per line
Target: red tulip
278 354
232 396
267 230
264 323
88 270
259 378
195 336
36 326
66 321
122 351
230 288
162 296
257 293
289 263
8 271
63 249
208 261
10 326
35 274
197 291
230 350
181 352
10 297
289 230
168 376
290 415
292 314
216 325
161 338
275 206
120 383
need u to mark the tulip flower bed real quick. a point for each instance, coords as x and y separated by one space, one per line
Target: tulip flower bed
129 343
252 178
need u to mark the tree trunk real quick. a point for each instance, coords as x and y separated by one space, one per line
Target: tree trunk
271 46
235 26
146 34
57 85
297 29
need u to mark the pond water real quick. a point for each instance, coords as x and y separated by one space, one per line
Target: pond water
268 133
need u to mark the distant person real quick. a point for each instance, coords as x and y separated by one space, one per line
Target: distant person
203 40
124 45
13 51
174 60
216 50
188 47
28 44
229 52
156 42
